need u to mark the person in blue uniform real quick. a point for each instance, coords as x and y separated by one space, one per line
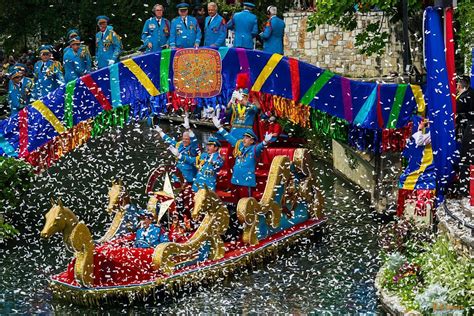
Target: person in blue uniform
246 153
188 146
156 31
208 165
19 91
242 112
272 35
215 27
108 44
149 235
83 51
185 30
245 25
76 63
47 74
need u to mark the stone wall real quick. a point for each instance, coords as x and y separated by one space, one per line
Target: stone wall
332 48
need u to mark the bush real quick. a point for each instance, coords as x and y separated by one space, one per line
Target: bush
15 180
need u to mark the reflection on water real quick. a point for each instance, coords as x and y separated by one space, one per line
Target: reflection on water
332 273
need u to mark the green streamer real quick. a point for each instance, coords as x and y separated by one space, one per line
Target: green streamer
397 105
329 126
316 87
115 117
165 70
68 104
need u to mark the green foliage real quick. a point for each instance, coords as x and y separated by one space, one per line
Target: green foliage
15 180
7 231
465 33
436 272
343 13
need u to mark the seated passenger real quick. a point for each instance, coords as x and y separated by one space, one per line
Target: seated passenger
187 147
149 235
268 124
246 153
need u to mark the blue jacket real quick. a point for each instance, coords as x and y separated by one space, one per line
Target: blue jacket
209 166
77 64
157 35
272 35
185 36
187 169
215 32
243 173
108 46
245 25
242 119
48 77
150 237
19 96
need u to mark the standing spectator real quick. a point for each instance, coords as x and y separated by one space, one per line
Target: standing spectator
108 44
215 29
156 31
245 25
465 127
185 30
48 73
199 13
272 35
76 62
19 91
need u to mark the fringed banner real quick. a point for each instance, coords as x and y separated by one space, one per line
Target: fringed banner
165 62
266 72
141 76
329 126
397 105
316 87
115 86
49 116
69 104
116 117
96 92
394 140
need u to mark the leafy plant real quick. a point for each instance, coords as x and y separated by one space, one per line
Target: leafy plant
6 231
15 179
434 294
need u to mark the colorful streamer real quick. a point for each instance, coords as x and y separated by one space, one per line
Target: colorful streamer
115 86
96 92
316 87
266 72
165 62
397 105
69 104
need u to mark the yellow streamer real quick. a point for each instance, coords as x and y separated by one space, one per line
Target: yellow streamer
427 160
49 116
419 98
266 72
141 76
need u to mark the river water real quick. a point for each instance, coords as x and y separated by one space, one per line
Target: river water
330 274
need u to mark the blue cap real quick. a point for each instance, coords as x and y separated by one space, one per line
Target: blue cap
15 73
249 4
183 5
214 141
72 32
20 66
45 49
250 133
245 91
145 213
102 18
76 39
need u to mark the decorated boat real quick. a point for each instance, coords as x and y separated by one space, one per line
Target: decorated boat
286 205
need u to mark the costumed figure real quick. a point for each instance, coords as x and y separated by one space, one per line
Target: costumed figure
19 90
156 31
77 61
208 165
268 124
108 45
465 131
185 30
48 73
242 113
246 153
272 35
417 183
215 27
83 51
245 25
149 235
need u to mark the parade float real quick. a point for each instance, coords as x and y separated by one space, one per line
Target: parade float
286 204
